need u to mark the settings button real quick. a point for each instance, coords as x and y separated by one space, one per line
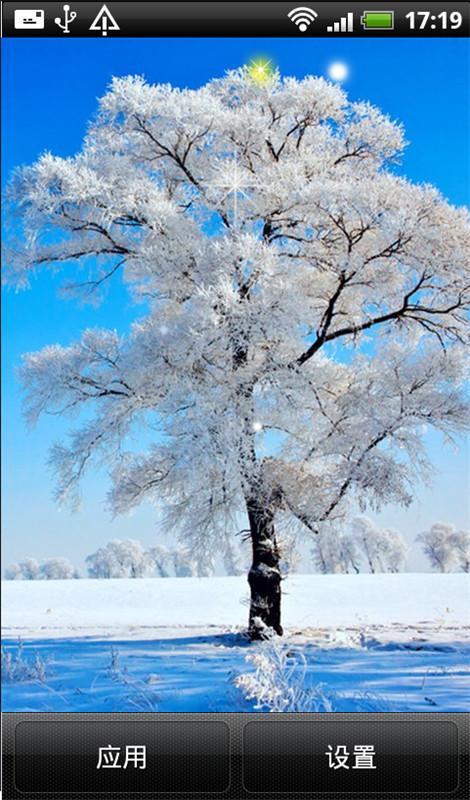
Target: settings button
285 756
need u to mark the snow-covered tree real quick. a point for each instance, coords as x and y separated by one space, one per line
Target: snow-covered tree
57 569
460 544
384 549
13 573
289 556
365 534
267 230
184 565
394 550
335 551
159 558
177 561
437 545
202 568
119 559
27 570
131 557
102 564
233 558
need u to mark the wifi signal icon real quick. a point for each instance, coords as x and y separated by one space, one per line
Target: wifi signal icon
302 17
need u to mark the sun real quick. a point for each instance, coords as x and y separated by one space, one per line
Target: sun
260 70
338 71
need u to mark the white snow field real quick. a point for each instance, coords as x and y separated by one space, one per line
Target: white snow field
398 642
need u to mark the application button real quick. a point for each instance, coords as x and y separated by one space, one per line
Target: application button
122 757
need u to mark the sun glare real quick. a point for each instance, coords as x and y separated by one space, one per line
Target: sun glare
338 71
260 70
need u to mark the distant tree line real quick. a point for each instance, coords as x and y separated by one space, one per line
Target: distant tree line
363 547
129 559
32 570
366 547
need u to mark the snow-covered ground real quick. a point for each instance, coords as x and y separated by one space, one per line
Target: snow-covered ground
397 641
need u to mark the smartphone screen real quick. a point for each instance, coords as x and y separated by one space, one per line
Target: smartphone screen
236 522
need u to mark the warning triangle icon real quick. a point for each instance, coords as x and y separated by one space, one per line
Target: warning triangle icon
104 22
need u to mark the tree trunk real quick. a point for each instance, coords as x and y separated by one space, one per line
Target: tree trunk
264 576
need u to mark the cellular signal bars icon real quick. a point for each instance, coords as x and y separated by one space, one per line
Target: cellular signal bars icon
344 25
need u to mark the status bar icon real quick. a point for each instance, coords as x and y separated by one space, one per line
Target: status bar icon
378 20
302 16
69 17
104 22
343 25
29 19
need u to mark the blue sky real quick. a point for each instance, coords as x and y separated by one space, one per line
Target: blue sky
50 87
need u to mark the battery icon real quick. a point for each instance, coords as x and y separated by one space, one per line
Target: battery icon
378 20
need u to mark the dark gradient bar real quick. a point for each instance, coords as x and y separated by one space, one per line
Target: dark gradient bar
245 19
236 756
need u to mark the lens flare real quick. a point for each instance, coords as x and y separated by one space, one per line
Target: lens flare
261 70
